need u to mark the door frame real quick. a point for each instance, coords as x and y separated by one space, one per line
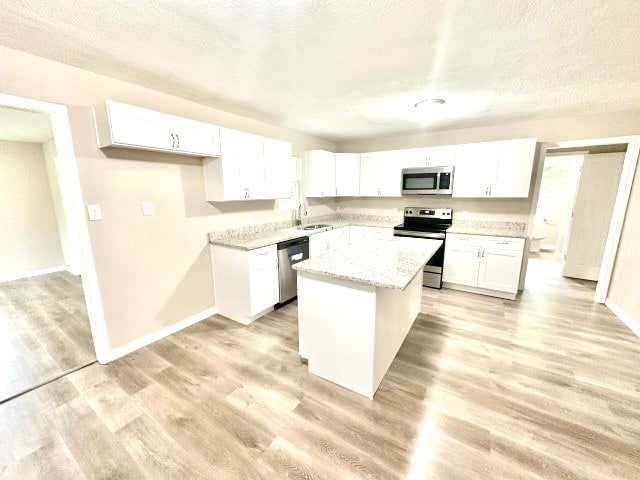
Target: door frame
620 207
61 128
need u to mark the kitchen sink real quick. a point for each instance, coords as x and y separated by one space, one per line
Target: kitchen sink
317 226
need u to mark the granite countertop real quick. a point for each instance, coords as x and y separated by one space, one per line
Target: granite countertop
262 235
381 263
492 229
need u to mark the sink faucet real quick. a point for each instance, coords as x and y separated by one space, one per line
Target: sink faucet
299 215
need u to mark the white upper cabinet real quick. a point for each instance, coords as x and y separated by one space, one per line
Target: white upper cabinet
320 173
280 168
494 169
514 169
347 174
249 167
127 126
429 156
380 173
475 169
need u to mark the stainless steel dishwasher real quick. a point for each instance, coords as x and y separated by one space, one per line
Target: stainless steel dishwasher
290 253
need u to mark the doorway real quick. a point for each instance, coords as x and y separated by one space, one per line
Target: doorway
580 201
44 323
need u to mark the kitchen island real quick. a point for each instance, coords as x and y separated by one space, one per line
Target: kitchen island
356 305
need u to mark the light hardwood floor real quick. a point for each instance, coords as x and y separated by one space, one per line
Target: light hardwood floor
545 387
44 330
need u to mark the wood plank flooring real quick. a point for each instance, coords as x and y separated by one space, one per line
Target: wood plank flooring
44 330
545 387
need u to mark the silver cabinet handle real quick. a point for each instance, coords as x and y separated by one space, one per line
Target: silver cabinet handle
482 253
478 253
173 141
486 192
178 138
490 190
264 253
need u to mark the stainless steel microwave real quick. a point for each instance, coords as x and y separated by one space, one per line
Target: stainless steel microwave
427 181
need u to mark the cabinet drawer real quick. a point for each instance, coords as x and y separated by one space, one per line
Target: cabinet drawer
378 233
262 257
463 240
504 243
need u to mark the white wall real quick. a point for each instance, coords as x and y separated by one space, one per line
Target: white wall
29 238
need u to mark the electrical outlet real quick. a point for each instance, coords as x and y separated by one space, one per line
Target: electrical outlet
94 211
395 211
338 209
148 209
250 218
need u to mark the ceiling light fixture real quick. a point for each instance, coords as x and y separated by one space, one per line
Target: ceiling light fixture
429 102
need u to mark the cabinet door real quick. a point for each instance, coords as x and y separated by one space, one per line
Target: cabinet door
347 174
415 157
461 264
475 169
320 174
232 184
279 168
390 166
499 268
191 136
443 156
138 127
515 166
369 186
251 163
263 285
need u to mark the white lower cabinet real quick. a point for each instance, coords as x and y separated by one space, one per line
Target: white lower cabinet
245 282
481 264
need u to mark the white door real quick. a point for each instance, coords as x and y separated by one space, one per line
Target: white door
443 156
196 137
234 189
369 186
515 166
390 173
263 285
279 169
138 126
461 265
499 269
415 157
251 162
320 173
592 210
347 174
475 169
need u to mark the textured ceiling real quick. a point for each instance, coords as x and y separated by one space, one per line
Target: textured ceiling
24 126
346 68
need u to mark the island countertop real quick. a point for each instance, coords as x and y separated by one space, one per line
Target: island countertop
381 263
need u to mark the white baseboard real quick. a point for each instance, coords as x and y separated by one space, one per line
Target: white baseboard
157 335
33 273
633 325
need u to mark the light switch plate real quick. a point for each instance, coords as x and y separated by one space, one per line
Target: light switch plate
148 209
94 211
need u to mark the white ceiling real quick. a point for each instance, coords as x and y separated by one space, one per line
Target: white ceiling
352 68
24 126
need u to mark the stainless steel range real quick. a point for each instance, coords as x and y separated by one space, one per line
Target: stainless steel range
423 222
